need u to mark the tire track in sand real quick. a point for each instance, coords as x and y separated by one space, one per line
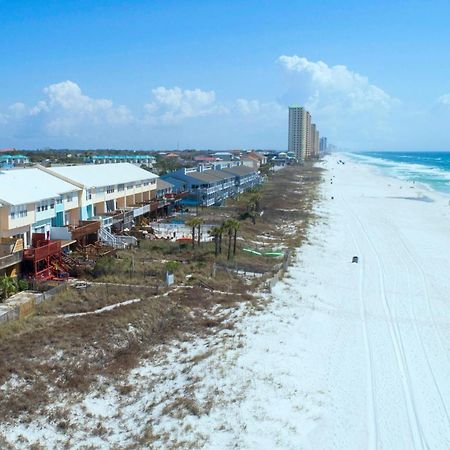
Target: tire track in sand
417 434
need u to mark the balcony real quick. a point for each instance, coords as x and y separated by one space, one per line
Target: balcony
11 260
85 228
141 210
43 251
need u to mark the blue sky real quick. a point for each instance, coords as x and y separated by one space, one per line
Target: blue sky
220 74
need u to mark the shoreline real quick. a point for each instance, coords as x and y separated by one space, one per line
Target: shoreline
380 170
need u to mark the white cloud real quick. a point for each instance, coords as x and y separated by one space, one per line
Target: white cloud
337 85
444 100
65 111
68 109
171 105
252 107
345 105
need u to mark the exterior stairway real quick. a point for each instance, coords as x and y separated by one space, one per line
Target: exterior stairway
115 241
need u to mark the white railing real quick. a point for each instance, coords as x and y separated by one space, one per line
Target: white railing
116 241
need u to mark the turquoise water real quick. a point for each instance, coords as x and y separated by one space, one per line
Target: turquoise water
429 168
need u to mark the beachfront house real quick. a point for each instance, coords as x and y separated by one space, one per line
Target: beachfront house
245 177
114 193
32 202
205 187
48 209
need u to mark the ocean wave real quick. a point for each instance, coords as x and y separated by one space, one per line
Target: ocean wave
434 177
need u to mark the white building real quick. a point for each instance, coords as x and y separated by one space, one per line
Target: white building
32 200
107 188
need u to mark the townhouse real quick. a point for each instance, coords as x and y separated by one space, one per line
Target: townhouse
205 187
147 160
113 194
211 184
32 201
245 177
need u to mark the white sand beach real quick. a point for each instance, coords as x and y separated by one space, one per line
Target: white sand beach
348 356
356 355
345 356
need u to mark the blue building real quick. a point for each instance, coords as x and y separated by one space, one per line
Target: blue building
10 161
207 186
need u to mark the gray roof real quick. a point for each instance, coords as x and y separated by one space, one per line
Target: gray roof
222 175
240 170
161 184
209 176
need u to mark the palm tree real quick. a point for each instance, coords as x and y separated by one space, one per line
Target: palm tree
253 204
236 226
199 226
193 224
221 231
257 200
231 225
216 232
7 286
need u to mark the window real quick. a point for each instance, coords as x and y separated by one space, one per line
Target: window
110 189
121 187
45 205
18 211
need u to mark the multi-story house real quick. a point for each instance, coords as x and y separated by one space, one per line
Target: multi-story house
245 178
112 189
32 201
205 187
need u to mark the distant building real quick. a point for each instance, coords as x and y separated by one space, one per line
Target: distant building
115 159
323 145
257 156
303 137
315 141
9 161
299 139
205 159
224 156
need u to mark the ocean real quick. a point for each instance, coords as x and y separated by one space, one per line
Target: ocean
429 168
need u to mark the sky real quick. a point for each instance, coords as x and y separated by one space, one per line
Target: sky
214 74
